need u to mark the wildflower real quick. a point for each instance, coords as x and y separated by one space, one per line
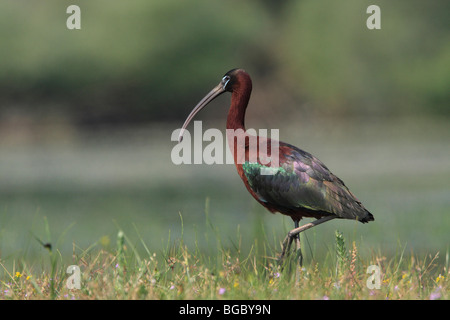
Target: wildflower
436 294
325 297
29 277
236 284
18 274
439 278
221 291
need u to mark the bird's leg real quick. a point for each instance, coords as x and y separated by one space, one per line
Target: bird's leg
298 246
294 234
288 242
286 246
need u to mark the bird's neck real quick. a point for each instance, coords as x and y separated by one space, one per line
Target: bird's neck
236 135
239 102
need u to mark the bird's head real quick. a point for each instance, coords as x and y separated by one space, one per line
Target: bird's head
229 82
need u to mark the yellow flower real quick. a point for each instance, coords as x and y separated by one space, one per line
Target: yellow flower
439 278
236 284
29 277
18 274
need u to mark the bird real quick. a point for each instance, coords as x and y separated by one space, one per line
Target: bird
298 185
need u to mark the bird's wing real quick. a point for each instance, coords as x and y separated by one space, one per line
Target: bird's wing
303 182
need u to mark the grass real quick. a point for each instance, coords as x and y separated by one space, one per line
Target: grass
77 195
131 271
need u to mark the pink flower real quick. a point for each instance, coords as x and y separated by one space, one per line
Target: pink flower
435 294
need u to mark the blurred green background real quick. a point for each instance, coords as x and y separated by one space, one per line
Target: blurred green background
86 118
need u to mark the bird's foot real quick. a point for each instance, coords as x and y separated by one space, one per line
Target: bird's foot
287 246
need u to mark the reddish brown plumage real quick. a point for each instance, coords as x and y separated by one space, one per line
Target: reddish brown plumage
241 88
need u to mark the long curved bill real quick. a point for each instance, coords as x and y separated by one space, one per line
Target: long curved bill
218 90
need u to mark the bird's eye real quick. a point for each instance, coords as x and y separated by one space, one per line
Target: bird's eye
225 81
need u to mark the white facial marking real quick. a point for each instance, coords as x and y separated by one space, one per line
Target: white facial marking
225 81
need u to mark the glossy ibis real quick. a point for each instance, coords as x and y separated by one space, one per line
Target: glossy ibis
300 184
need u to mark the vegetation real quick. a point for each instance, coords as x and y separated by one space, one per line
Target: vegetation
179 272
78 196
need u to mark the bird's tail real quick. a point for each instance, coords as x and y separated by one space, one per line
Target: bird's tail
367 218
